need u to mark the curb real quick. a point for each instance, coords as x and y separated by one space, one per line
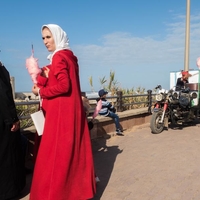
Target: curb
133 129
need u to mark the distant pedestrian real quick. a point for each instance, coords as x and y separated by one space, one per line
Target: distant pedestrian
180 84
108 110
86 105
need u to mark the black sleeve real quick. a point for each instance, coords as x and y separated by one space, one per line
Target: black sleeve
179 84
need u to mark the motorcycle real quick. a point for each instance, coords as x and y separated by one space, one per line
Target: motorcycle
173 107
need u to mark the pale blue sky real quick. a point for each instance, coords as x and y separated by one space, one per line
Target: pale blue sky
142 41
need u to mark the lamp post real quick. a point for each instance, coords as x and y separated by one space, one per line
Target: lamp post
187 37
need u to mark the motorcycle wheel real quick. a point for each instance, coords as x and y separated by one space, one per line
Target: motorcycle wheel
155 126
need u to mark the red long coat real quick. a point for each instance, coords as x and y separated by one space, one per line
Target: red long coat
64 167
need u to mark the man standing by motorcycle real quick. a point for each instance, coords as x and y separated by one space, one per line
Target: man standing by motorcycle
182 80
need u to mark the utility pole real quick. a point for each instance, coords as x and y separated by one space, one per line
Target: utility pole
187 37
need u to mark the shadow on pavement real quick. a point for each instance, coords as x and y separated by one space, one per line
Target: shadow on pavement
196 122
104 159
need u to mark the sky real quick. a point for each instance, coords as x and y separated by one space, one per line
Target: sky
141 41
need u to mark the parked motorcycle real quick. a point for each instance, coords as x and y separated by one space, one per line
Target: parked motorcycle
173 107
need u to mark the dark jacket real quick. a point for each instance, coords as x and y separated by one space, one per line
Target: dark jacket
180 84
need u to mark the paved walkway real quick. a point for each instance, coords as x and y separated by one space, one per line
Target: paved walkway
146 166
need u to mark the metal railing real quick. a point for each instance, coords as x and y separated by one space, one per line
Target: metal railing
128 102
24 109
120 101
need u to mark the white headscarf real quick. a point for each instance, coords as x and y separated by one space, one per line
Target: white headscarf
60 38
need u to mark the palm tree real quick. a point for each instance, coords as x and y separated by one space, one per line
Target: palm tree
112 77
102 81
91 83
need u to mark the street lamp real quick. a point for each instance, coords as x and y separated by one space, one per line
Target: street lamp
187 37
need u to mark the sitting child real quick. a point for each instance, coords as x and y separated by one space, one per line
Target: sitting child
108 110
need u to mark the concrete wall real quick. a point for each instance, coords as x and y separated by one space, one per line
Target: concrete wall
128 119
103 126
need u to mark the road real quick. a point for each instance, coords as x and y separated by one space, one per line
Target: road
146 166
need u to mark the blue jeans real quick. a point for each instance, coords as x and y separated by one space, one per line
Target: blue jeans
116 119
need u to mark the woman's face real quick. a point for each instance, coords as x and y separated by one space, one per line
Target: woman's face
185 77
48 40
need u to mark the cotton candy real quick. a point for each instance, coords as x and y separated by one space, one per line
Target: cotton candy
33 68
198 62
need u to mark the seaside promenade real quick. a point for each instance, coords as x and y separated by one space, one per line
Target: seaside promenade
146 166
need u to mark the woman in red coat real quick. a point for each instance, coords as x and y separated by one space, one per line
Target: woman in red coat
64 167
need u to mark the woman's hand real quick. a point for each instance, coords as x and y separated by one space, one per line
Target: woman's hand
35 89
15 126
45 72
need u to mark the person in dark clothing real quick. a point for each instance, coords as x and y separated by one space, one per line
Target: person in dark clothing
86 105
182 80
108 110
12 173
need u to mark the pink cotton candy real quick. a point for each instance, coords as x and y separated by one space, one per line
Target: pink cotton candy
33 68
198 62
97 109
